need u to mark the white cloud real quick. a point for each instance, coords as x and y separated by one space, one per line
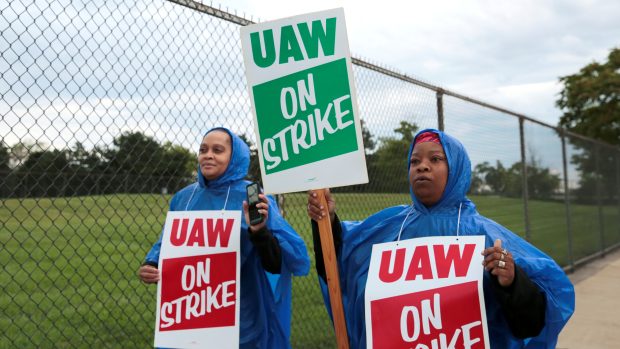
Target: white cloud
535 100
504 52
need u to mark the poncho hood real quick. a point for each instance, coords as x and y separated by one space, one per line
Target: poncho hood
459 173
237 167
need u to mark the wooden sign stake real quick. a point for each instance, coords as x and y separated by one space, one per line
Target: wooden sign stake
333 280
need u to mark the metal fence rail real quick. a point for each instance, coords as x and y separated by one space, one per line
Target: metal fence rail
103 105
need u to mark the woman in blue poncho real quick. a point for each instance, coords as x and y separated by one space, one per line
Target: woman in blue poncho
271 251
528 297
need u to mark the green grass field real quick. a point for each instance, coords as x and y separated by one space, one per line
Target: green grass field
69 265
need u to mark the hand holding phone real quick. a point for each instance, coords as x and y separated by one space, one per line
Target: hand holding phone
252 191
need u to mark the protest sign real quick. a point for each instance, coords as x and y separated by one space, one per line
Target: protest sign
426 293
304 104
198 293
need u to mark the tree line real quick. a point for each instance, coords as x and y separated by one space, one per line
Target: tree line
134 163
137 163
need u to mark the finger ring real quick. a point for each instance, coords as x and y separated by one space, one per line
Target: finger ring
501 257
501 264
504 252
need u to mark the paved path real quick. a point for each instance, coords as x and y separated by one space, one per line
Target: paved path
596 321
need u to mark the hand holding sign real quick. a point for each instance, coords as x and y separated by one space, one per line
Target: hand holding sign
316 211
148 274
500 263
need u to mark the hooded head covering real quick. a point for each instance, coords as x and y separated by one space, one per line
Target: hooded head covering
237 167
459 170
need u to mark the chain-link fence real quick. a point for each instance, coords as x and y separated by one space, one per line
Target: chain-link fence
103 105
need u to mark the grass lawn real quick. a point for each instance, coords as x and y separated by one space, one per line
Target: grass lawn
69 265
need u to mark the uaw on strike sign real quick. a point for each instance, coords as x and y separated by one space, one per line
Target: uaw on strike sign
198 293
426 293
305 112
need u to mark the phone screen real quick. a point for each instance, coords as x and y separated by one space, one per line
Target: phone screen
252 191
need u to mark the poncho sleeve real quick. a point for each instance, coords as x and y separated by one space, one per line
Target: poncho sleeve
550 279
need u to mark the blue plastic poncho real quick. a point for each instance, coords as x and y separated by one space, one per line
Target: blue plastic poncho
265 313
441 219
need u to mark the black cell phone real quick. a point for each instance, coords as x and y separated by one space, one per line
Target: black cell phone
252 190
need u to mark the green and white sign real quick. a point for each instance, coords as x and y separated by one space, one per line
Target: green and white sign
304 104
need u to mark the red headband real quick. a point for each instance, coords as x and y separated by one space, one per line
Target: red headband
427 137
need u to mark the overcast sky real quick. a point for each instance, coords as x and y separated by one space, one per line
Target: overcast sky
508 53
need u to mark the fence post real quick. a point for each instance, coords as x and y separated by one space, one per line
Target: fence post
65 183
599 202
280 201
440 124
569 230
97 183
524 180
618 183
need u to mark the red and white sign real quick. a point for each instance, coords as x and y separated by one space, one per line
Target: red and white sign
198 294
426 293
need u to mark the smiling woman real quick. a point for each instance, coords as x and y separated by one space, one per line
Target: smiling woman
271 251
214 154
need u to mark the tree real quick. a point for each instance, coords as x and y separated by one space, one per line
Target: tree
388 170
44 173
177 168
407 131
4 157
478 185
133 162
590 100
597 165
80 157
369 143
541 183
85 169
254 170
493 178
20 151
4 170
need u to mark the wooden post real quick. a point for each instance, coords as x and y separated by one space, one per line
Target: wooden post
331 270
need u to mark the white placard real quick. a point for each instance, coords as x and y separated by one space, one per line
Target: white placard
198 293
426 293
304 104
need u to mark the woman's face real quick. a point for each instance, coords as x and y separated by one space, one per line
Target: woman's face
214 154
428 173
